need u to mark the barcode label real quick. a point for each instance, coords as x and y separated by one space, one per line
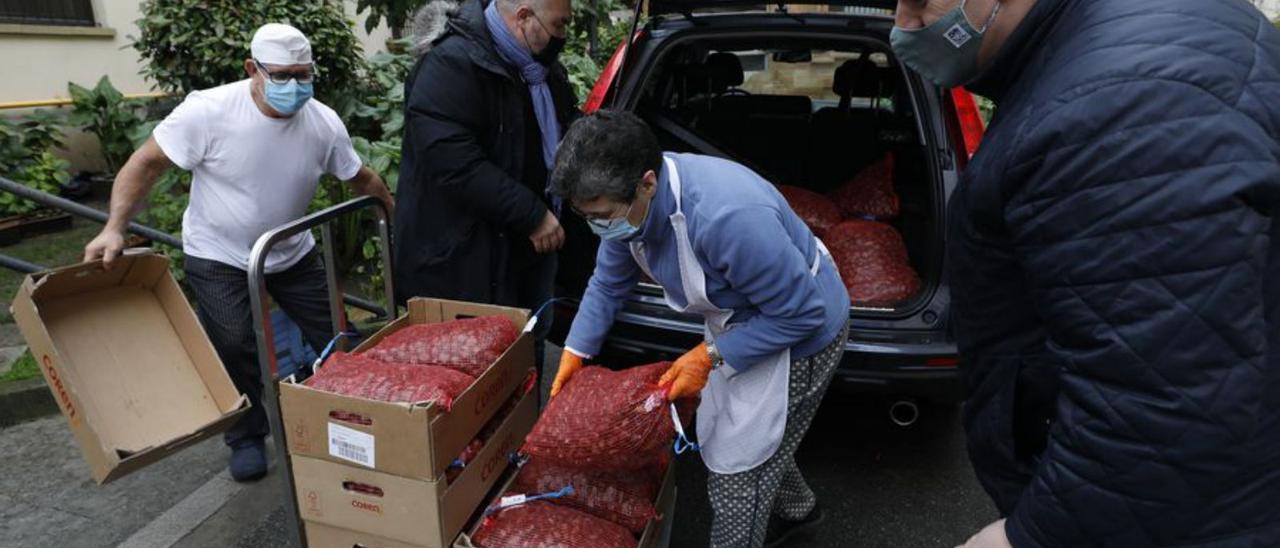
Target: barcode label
350 445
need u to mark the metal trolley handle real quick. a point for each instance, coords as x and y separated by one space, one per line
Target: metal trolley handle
260 304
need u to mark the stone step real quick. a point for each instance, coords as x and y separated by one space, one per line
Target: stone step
10 336
9 355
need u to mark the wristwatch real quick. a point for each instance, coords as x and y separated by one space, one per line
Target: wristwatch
714 353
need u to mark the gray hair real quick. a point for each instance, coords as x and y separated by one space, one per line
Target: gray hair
604 155
508 6
429 24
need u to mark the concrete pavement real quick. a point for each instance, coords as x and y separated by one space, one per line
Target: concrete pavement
47 497
881 485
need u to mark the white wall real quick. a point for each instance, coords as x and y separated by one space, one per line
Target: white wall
38 67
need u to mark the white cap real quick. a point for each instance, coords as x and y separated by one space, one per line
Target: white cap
278 44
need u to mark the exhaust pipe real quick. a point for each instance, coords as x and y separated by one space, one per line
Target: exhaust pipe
904 413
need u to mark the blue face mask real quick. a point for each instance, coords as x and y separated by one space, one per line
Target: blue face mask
615 229
288 98
945 52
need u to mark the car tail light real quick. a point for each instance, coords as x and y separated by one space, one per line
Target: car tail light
949 361
971 125
601 90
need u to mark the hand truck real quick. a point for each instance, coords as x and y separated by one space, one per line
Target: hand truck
260 303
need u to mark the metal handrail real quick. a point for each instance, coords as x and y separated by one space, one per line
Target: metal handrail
258 299
56 202
19 265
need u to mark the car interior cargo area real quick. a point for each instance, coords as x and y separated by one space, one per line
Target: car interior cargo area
833 123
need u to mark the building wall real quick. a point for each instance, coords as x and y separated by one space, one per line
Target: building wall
37 67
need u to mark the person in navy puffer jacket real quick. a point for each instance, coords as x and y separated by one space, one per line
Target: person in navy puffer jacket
1115 260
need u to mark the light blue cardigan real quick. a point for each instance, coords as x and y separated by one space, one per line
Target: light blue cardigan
756 254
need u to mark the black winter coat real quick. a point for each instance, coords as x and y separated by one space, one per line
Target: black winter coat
461 205
1114 256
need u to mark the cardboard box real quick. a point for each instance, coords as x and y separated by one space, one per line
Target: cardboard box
320 535
412 511
657 534
410 440
127 361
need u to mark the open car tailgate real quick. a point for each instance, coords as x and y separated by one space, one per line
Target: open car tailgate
658 7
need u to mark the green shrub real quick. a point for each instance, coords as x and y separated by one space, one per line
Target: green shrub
26 157
23 140
584 69
104 112
12 152
46 173
986 107
165 205
188 45
395 12
382 116
42 130
377 126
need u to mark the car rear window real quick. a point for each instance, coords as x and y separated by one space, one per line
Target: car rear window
810 74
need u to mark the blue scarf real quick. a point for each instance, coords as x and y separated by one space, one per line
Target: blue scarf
534 75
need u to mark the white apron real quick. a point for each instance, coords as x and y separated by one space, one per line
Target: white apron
743 414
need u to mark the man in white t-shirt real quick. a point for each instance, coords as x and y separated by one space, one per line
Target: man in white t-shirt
257 149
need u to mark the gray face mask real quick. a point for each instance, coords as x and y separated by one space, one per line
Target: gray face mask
945 52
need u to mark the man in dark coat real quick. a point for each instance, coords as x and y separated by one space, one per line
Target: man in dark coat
1115 262
482 116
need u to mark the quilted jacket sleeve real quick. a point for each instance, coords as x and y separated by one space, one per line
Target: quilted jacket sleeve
1141 214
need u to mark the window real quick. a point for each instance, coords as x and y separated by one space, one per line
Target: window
77 13
810 73
857 10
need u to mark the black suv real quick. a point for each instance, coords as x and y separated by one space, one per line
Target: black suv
806 98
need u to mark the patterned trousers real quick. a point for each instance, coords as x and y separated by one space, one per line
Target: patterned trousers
221 293
741 503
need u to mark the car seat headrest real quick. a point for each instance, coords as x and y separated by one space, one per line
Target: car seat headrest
724 70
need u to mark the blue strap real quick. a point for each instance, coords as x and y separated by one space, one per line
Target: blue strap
537 314
513 458
682 443
517 500
334 342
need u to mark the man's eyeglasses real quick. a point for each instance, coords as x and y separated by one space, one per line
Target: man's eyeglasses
282 77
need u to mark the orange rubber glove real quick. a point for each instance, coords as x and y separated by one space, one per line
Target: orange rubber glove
570 363
688 376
